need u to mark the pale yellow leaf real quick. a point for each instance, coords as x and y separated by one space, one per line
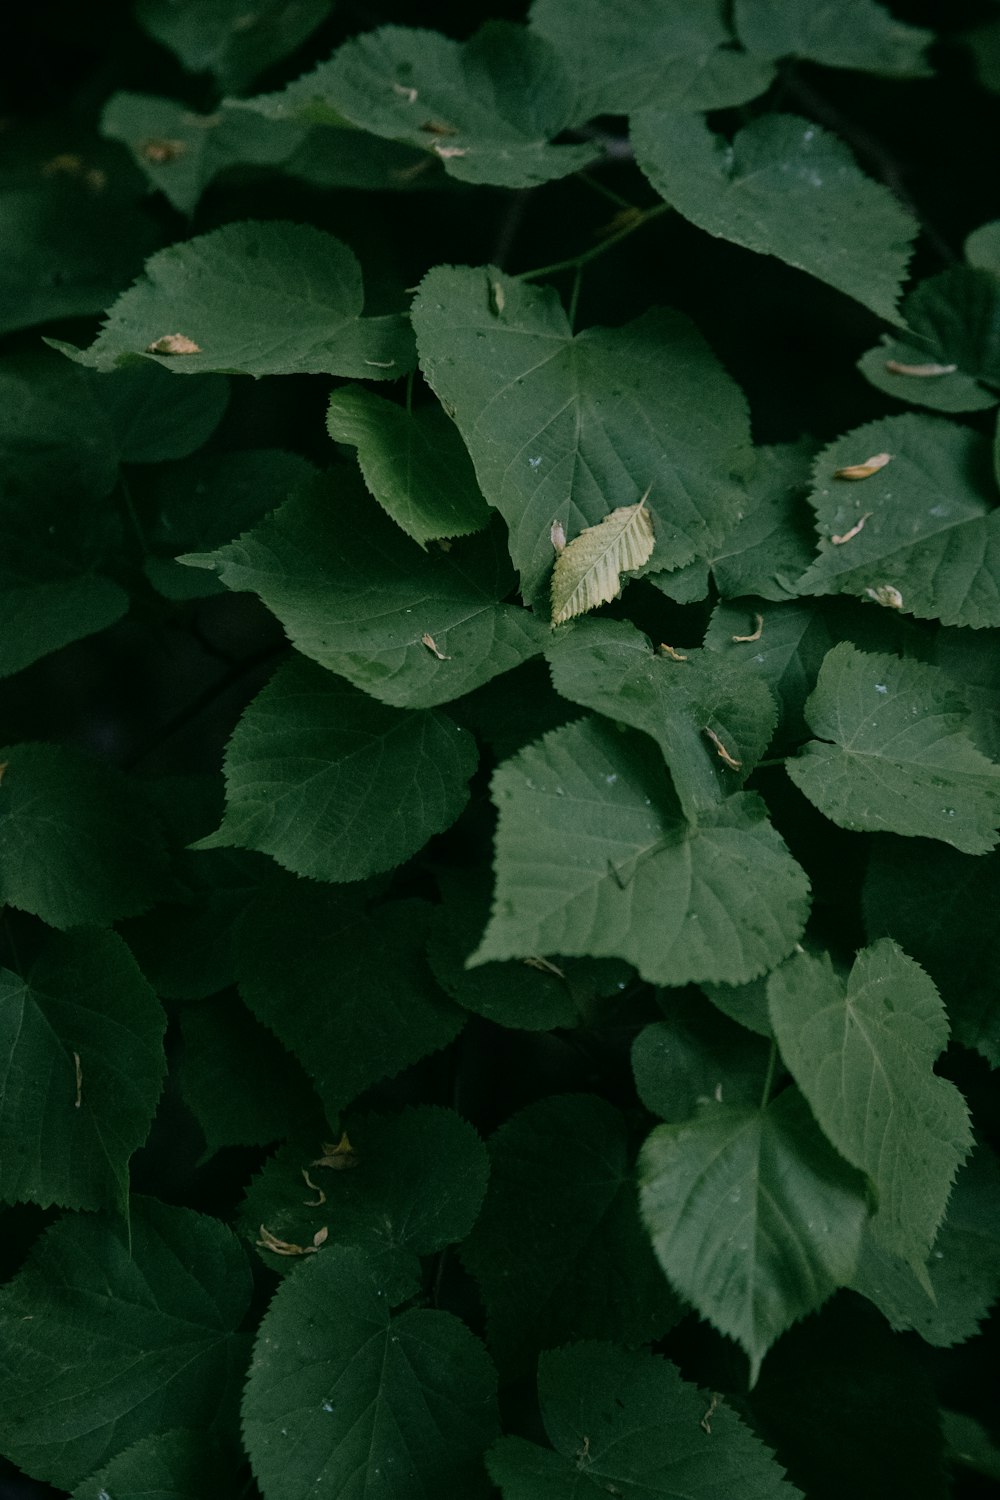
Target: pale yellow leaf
588 570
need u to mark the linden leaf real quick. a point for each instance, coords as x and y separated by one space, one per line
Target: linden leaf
588 570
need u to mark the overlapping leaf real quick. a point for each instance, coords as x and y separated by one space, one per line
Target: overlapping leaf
231 39
894 753
753 1216
696 1056
784 187
81 1066
953 342
931 543
112 1333
341 1390
256 298
179 1465
488 108
858 34
863 1054
568 429
649 52
594 856
609 666
412 628
558 1250
648 1440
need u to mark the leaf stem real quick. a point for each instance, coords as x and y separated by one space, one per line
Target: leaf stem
769 1076
606 192
637 219
574 296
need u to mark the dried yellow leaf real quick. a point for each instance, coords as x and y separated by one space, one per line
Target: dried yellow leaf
447 152
557 536
429 642
544 965
838 541
758 631
665 650
320 1198
864 470
588 570
269 1241
173 343
338 1157
722 752
887 595
922 372
161 152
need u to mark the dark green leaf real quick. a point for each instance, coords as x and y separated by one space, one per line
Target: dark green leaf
231 39
753 1216
954 331
772 541
895 754
111 1334
594 857
412 628
609 666
856 34
78 843
82 1064
178 1465
342 1392
414 463
334 785
696 1057
268 298
982 247
558 1250
347 991
567 429
863 1054
794 639
785 187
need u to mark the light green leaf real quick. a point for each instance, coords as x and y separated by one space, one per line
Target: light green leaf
943 908
78 844
558 1250
588 571
341 1390
412 628
609 666
413 462
232 39
346 990
953 323
753 1216
593 856
894 753
180 151
113 1333
856 34
696 1057
178 1465
334 785
487 108
549 444
414 1184
982 247
863 1054
81 1067
785 187
963 1271
268 298
931 543
649 52
648 1440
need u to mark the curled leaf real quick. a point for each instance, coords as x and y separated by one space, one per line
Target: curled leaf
722 752
447 152
338 1157
758 631
160 151
588 571
924 372
665 650
838 541
269 1241
428 641
557 536
886 594
865 470
173 343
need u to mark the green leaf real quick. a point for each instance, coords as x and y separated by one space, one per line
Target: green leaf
549 443
857 34
530 994
588 572
972 661
112 1334
238 1082
753 1216
231 39
931 543
346 990
415 1184
204 502
268 298
785 187
953 321
342 1391
178 1465
487 108
414 629
594 857
963 1270
413 462
180 151
653 52
82 1067
334 785
152 418
694 1057
558 1249
744 1003
863 1054
982 247
78 844
894 753
609 666
943 908
794 639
